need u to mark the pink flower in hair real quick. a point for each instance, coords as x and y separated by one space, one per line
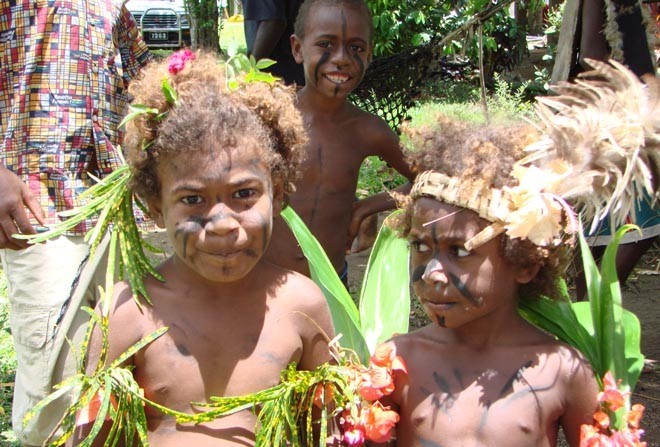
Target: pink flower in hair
179 59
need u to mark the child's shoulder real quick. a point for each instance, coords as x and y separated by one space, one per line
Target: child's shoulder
295 286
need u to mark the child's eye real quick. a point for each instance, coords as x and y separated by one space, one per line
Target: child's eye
357 48
460 251
323 44
192 200
419 246
244 193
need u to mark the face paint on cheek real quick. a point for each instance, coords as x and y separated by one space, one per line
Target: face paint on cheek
418 273
323 60
460 285
360 63
192 225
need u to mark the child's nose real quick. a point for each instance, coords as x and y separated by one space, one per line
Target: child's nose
340 57
222 220
435 272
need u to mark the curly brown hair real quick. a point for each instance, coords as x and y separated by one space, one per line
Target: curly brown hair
206 109
484 155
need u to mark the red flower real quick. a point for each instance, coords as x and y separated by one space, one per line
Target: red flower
376 383
178 60
379 422
635 415
385 356
602 419
322 398
611 394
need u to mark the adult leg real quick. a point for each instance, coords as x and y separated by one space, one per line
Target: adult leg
47 285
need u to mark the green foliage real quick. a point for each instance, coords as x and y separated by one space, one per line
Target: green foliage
377 176
461 102
7 369
607 334
345 315
385 294
362 329
111 200
232 38
243 69
401 24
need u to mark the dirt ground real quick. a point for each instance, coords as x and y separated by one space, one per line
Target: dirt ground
641 295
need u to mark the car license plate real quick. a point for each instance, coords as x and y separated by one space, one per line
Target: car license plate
158 36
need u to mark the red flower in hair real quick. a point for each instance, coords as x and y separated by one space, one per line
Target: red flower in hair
179 60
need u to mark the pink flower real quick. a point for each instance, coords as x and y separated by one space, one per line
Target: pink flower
178 60
354 437
591 436
353 430
379 422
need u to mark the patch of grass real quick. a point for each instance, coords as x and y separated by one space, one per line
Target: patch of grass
376 176
232 37
7 369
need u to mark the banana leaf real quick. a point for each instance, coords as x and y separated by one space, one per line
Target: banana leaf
385 293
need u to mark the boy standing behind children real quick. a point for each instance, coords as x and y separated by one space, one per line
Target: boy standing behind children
214 168
333 41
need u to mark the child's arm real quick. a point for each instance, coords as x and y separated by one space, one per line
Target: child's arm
385 144
122 334
580 399
316 324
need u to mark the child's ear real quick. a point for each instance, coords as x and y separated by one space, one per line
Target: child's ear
296 48
278 197
156 211
527 273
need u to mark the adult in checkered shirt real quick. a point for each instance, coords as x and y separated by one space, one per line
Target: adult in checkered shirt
64 72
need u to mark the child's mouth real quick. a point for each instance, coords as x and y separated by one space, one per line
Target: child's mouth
439 307
337 78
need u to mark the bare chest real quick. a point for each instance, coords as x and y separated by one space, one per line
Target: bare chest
516 406
226 357
333 159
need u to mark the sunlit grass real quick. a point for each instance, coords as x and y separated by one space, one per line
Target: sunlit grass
232 37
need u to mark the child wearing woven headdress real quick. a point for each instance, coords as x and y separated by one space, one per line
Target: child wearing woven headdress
489 224
480 374
214 171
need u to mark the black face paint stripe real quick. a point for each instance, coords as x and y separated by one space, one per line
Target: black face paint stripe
418 272
324 58
455 280
191 225
360 63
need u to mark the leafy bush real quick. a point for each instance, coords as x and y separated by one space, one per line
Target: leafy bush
7 368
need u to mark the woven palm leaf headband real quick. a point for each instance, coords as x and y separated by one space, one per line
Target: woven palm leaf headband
599 150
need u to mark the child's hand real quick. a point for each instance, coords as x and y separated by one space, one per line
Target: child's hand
366 236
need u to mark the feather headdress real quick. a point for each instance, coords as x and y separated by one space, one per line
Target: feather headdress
599 150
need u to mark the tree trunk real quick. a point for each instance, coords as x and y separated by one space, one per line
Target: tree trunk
204 18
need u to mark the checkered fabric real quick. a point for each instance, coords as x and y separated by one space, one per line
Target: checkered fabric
64 70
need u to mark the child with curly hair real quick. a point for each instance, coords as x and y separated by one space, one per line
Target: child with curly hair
214 167
480 374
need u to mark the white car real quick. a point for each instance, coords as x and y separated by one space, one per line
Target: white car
164 23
